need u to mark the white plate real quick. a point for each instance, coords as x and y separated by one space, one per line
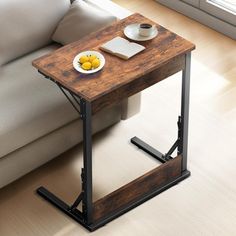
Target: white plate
78 67
132 32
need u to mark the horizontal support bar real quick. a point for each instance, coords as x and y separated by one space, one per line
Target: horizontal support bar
148 149
137 189
124 209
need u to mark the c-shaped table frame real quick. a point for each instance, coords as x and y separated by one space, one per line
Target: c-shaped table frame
172 170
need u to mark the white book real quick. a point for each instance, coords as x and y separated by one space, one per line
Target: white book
122 48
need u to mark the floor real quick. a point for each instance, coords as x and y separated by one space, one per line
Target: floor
202 205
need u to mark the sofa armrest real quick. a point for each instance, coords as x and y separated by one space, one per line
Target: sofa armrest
111 7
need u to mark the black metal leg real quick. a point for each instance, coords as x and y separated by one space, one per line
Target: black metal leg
87 158
183 148
85 217
182 142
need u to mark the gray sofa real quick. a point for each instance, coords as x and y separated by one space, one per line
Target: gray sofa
37 123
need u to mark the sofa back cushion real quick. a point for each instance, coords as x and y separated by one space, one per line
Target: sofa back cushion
26 25
82 19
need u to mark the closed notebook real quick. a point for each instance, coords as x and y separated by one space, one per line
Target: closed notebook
122 48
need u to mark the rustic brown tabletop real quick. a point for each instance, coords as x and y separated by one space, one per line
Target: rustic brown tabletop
118 79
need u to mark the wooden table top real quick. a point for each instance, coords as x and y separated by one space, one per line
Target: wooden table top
117 74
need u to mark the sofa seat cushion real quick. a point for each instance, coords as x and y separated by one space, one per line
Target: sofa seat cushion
82 19
31 106
27 25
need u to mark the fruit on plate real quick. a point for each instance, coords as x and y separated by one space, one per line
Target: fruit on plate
87 65
83 59
92 57
95 63
89 62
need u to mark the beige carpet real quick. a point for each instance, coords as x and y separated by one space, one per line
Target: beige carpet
202 205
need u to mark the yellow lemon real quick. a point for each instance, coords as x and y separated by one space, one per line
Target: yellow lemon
87 65
92 57
83 59
96 63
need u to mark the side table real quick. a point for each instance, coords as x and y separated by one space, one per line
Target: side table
165 55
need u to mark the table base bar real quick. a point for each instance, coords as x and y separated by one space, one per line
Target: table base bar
145 198
148 149
105 217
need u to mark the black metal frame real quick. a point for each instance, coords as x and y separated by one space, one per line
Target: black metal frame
83 107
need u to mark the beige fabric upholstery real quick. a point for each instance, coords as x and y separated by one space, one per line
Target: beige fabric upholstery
35 154
131 106
26 25
82 19
31 106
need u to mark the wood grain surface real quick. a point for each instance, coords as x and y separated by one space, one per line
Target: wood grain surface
136 189
117 73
